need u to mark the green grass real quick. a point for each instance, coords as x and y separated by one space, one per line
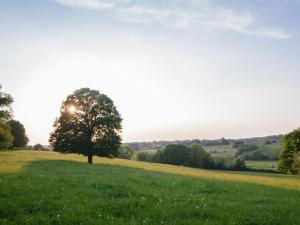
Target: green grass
264 164
271 150
52 188
221 151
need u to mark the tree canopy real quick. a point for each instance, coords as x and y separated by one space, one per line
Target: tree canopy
18 132
6 137
5 105
89 124
290 152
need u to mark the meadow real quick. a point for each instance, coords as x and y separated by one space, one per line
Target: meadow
52 188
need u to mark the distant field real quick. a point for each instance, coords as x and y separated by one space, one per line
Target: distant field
221 151
271 150
268 165
227 151
53 188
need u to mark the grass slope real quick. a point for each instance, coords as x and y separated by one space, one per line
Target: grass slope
51 188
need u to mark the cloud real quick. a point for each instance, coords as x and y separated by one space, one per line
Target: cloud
274 33
184 14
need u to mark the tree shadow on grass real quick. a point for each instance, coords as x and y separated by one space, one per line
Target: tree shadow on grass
68 192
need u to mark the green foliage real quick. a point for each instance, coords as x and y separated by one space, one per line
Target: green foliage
89 124
296 164
289 152
193 156
18 132
239 164
38 147
145 156
125 152
255 155
198 157
175 154
6 137
5 105
222 163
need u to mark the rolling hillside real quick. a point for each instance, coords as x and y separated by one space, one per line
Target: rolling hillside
53 188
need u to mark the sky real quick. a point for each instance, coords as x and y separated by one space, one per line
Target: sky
175 69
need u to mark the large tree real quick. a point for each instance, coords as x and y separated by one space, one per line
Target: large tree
290 152
89 124
18 132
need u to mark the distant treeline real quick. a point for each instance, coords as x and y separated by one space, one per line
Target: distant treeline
274 139
191 156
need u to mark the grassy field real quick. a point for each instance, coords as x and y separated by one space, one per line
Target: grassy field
221 151
266 165
52 188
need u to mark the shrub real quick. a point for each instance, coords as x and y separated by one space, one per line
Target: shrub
38 147
144 156
125 152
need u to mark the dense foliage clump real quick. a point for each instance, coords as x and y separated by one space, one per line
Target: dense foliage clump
289 156
125 152
6 137
18 132
191 156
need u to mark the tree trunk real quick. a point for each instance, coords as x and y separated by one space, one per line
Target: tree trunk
90 159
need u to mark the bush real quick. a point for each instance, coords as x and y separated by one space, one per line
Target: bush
239 164
222 163
38 147
125 152
145 156
198 157
175 154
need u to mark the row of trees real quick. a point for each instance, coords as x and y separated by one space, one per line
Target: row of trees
274 139
12 132
191 156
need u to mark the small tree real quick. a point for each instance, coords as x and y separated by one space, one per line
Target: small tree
175 154
290 148
125 152
89 124
18 132
198 157
38 147
145 156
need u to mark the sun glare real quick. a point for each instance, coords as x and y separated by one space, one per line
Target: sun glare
72 109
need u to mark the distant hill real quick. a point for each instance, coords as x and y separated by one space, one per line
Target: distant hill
273 139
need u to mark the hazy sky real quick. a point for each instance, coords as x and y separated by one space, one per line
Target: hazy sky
176 69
